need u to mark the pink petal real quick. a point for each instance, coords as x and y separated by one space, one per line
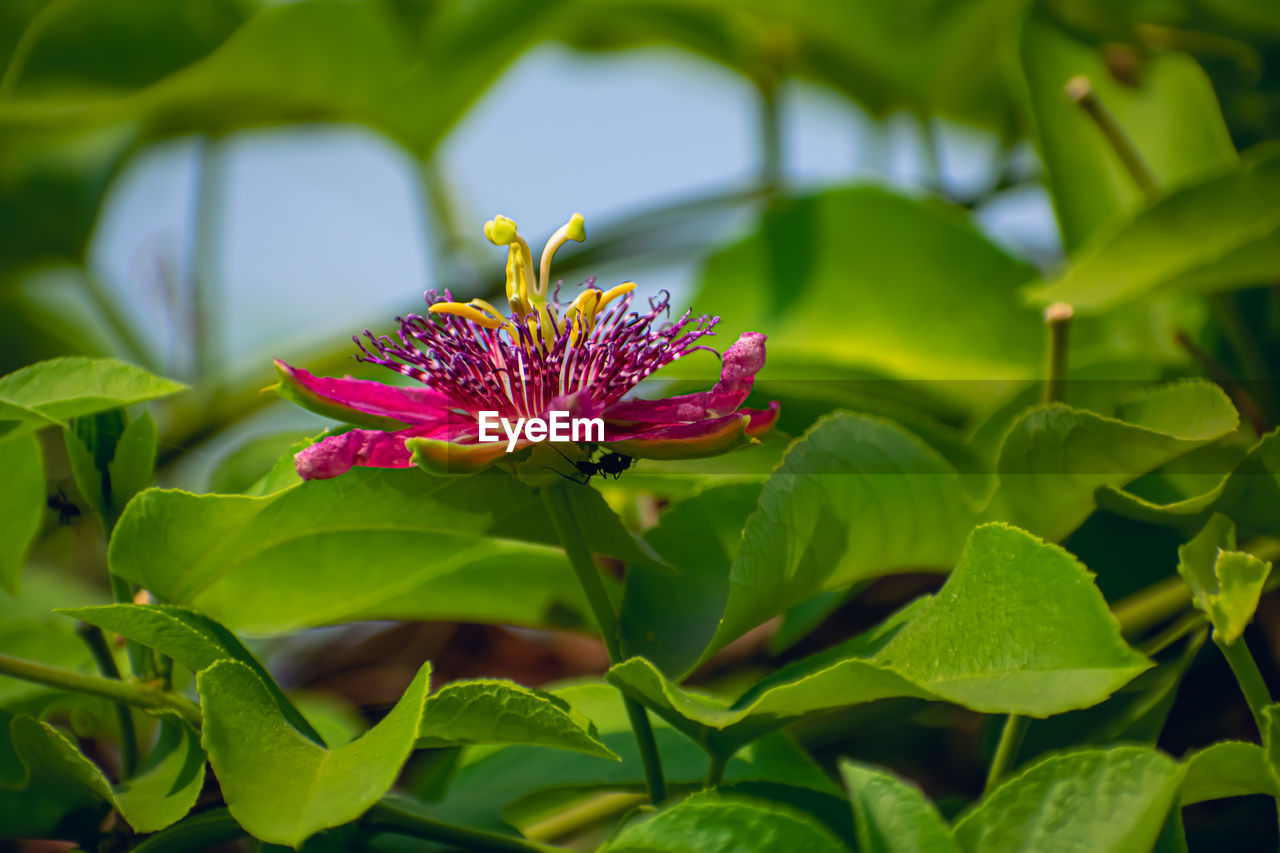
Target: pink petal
338 397
372 448
740 364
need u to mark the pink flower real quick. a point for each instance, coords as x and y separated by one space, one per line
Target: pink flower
580 358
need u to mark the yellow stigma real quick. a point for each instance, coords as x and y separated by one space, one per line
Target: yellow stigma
587 307
575 229
502 231
477 311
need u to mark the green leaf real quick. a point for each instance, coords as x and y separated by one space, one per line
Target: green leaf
490 711
239 470
369 544
75 386
1221 234
1056 458
162 791
132 467
855 498
281 786
1226 583
712 821
893 816
498 780
1229 768
851 276
1100 800
91 442
1169 113
1019 627
190 638
16 420
21 504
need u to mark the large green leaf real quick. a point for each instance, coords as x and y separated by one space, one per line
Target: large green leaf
281 786
1170 114
1110 801
1220 234
894 816
190 638
369 544
1226 583
1018 627
713 821
858 497
21 504
162 791
74 386
490 711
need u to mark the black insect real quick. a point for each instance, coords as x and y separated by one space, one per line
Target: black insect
611 464
67 511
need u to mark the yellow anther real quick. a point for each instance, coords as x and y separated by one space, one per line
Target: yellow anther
574 229
467 312
501 230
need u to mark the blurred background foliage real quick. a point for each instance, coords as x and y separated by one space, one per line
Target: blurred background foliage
891 190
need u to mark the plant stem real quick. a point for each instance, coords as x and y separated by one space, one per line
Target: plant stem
560 509
715 773
137 695
97 643
1015 729
770 135
389 818
203 831
1058 318
582 815
1245 669
210 186
1080 90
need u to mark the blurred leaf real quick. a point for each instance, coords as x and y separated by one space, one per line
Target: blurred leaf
851 277
76 386
469 548
162 792
892 815
15 420
491 711
21 504
1219 234
281 786
242 468
1170 114
91 442
1227 583
1229 768
132 467
190 638
1019 627
709 820
1103 800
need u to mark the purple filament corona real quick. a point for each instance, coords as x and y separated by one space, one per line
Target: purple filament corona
485 369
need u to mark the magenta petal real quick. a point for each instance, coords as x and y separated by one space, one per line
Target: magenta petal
368 448
740 364
339 398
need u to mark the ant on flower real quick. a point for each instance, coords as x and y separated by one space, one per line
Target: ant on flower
610 463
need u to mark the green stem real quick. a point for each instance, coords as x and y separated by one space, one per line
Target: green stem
1080 90
389 818
1015 729
770 135
1058 318
128 693
1245 669
560 509
583 815
208 219
97 643
1166 638
715 773
26 44
204 831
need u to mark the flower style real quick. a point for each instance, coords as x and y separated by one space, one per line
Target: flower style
582 358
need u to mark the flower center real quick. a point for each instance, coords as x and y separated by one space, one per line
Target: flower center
518 364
